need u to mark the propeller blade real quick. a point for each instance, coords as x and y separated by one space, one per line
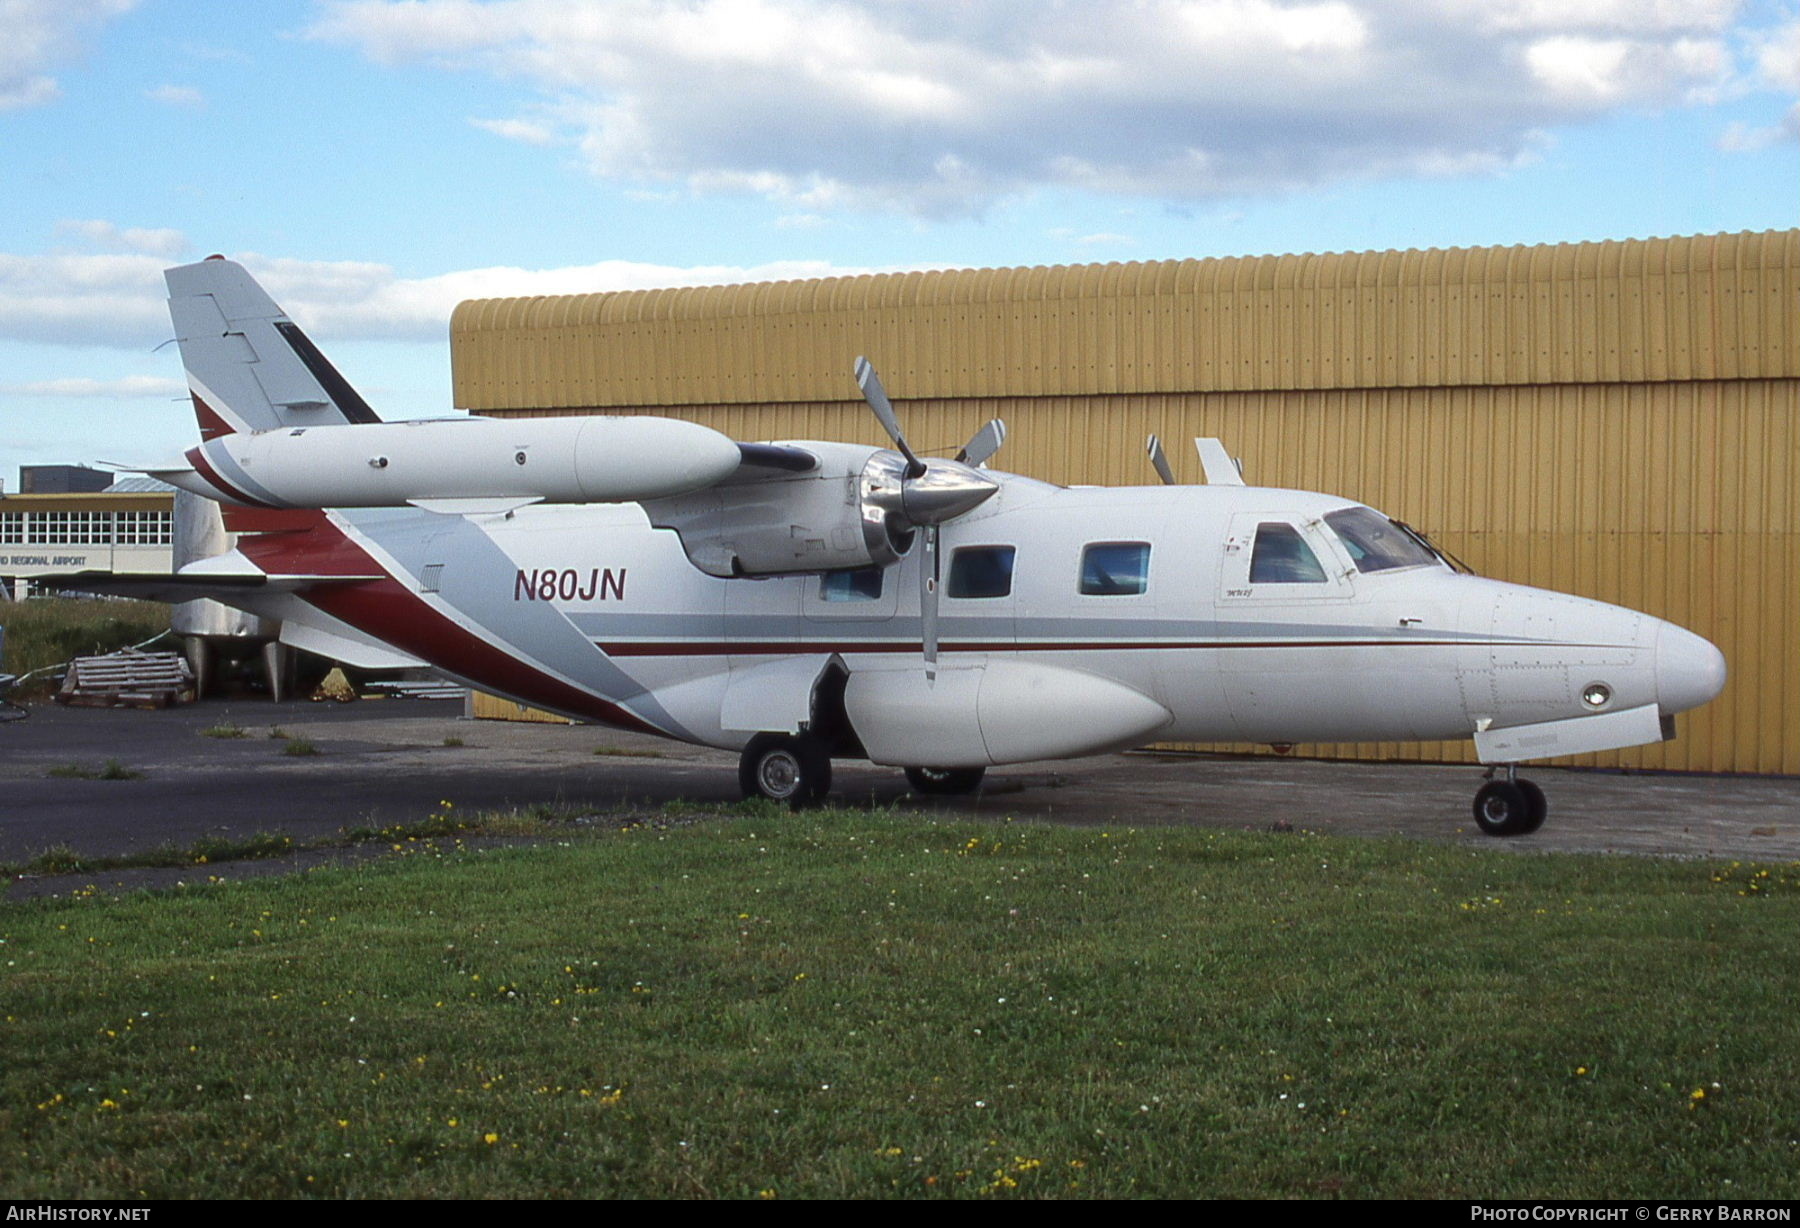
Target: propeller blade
1221 469
983 444
928 598
878 401
1158 459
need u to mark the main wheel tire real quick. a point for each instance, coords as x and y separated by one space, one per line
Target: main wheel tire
945 781
1502 808
1537 806
785 768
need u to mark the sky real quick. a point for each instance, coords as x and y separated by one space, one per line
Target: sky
374 163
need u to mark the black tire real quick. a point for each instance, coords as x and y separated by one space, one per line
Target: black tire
1537 805
784 768
1502 808
945 782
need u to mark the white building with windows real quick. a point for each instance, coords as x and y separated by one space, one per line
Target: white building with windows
126 528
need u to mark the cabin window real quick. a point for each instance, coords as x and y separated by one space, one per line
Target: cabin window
1115 569
1281 556
1376 543
981 571
861 585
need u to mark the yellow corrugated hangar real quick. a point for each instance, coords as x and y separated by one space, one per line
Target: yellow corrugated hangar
1619 420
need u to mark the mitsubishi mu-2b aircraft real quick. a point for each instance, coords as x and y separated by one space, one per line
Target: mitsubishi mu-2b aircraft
801 601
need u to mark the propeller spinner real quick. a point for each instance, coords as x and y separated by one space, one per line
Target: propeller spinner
931 492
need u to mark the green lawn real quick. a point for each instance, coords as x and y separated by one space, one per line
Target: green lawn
50 630
855 1004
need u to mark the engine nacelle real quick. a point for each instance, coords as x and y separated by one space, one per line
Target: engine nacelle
844 513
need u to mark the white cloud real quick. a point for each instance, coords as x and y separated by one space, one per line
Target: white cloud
348 299
1778 57
114 238
1775 55
1611 71
940 107
117 299
1740 137
83 299
131 386
517 130
41 34
177 96
1616 16
1102 238
19 92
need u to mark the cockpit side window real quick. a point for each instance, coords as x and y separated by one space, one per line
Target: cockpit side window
1281 556
1376 543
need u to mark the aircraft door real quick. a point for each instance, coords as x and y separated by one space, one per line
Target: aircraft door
979 602
1283 593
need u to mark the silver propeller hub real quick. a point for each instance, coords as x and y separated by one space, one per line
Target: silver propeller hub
946 490
900 495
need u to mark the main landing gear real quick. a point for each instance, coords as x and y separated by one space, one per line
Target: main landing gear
795 769
782 767
1510 807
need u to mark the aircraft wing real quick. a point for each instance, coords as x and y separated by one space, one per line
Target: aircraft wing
174 587
276 597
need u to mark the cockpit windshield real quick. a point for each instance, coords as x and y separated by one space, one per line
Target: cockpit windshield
1376 543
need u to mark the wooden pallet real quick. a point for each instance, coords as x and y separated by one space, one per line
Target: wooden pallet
127 680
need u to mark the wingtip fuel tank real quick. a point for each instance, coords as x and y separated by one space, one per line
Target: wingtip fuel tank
552 460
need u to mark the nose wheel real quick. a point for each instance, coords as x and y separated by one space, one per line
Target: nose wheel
787 768
1511 807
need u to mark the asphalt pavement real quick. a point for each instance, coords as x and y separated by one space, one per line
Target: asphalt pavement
386 760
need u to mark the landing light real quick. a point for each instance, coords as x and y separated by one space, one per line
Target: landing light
1596 695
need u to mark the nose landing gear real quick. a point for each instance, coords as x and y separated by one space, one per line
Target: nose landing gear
1510 807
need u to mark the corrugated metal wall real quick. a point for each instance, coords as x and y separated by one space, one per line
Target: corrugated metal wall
1618 420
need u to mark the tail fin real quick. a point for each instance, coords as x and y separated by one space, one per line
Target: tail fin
249 367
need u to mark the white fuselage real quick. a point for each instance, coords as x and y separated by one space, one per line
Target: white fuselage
594 596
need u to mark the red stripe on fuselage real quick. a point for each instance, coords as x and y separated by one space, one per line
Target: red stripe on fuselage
394 614
786 648
197 458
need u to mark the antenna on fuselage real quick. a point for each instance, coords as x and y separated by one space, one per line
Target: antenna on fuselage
1219 465
1160 460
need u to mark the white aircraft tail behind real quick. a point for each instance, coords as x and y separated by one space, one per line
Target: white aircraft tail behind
249 366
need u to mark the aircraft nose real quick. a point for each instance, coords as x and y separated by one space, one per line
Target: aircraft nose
1690 670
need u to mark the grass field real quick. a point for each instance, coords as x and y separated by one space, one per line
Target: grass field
872 1005
48 631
